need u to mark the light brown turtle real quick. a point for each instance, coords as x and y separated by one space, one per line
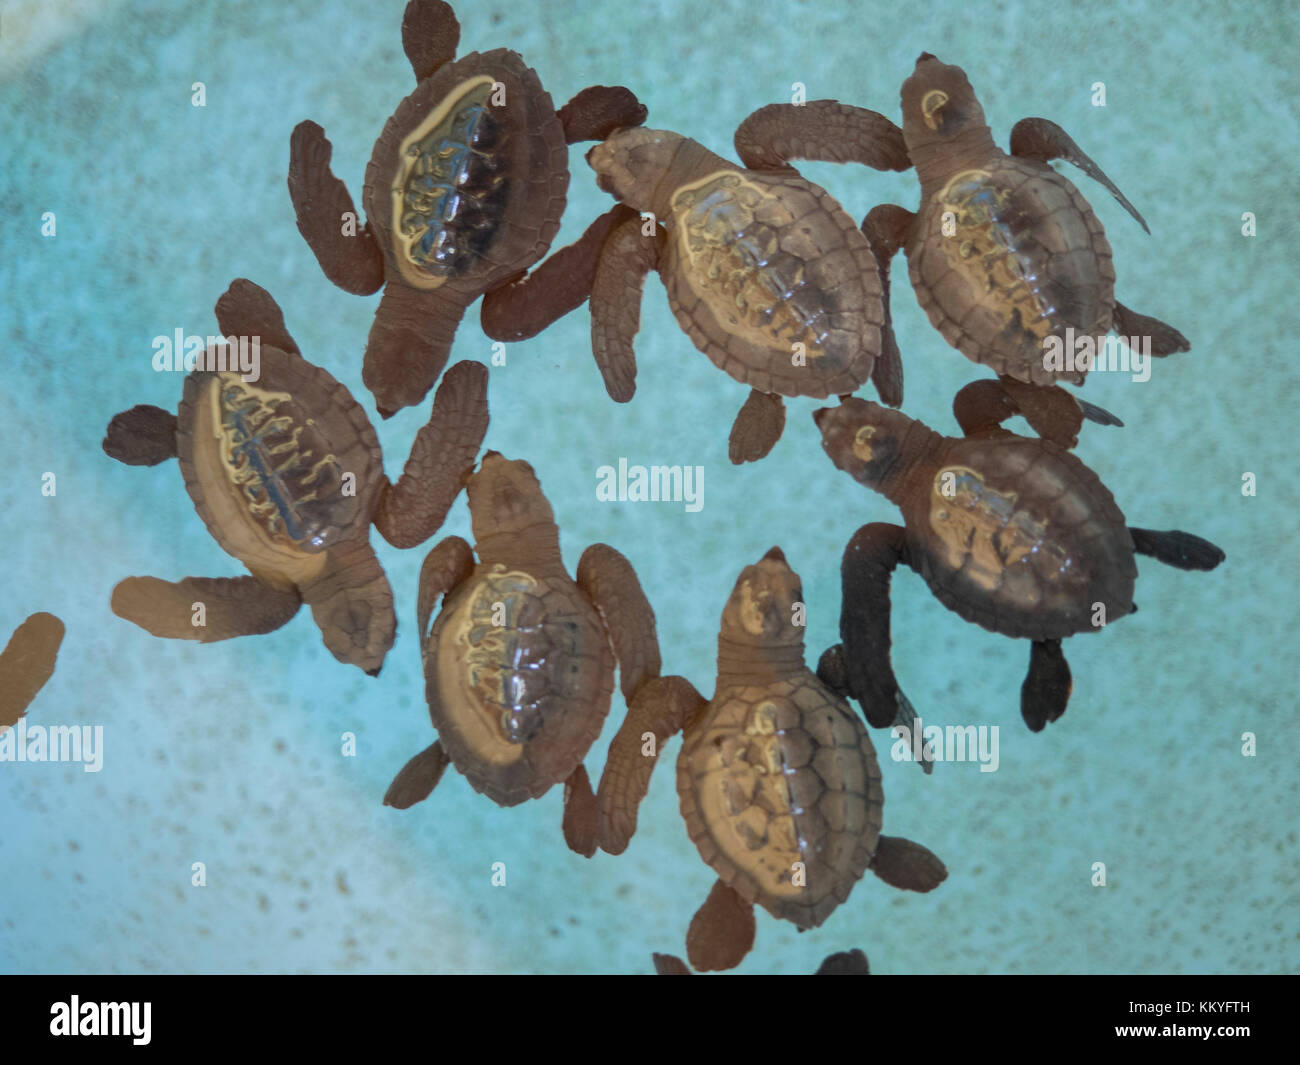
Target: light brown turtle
519 664
765 272
777 777
286 473
464 191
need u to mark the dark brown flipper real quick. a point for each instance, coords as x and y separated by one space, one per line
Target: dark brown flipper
447 565
598 111
408 345
1044 140
662 707
352 603
865 572
757 427
721 932
825 130
1046 690
833 672
625 259
443 455
608 580
246 309
524 307
1097 414
1051 411
142 436
845 963
320 200
580 827
232 606
1165 339
906 865
1178 549
886 228
27 663
670 965
416 780
430 36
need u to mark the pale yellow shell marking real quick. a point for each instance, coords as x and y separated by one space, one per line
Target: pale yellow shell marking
931 104
471 689
480 88
745 798
729 251
862 443
970 517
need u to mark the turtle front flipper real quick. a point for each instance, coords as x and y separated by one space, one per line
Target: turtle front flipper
662 708
906 865
757 427
416 780
886 227
581 824
347 251
409 342
26 663
610 582
833 672
246 309
145 435
1052 412
447 565
524 307
721 932
1046 690
626 256
352 603
1178 549
823 130
430 36
443 455
230 606
1044 140
1165 339
865 572
597 111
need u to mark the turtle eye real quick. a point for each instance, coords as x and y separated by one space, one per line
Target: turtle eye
931 104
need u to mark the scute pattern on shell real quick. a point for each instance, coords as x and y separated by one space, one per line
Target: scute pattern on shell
1028 259
778 774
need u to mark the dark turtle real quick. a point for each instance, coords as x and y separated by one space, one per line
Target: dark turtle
287 475
764 270
519 665
1012 533
1022 257
464 191
842 963
26 663
777 778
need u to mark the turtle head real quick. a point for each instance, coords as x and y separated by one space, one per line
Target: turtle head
764 605
630 163
864 439
938 103
505 498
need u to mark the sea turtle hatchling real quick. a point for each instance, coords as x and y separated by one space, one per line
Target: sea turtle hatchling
777 777
765 272
519 664
286 473
464 191
1012 533
1006 257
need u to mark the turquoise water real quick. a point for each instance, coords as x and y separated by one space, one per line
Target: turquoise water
230 754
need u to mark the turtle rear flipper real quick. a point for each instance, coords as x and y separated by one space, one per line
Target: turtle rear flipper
626 256
580 820
669 965
352 603
1044 140
145 435
903 864
352 260
661 707
821 130
417 779
886 227
722 931
443 455
1165 339
757 427
430 36
231 606
845 963
26 663
597 111
1046 690
1179 549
